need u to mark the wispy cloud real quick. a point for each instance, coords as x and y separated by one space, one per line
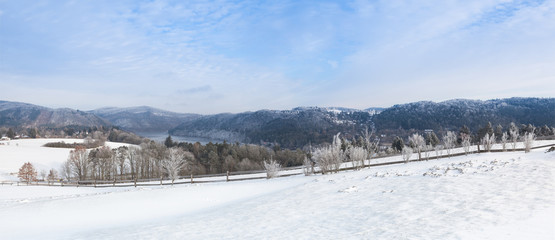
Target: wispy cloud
205 88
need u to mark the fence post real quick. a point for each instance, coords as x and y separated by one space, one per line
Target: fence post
191 178
135 182
227 177
95 182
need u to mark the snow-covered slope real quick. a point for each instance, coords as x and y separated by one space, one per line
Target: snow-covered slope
482 196
14 153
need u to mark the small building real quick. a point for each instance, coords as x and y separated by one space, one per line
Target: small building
5 139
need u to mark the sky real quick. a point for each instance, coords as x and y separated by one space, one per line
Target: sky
234 56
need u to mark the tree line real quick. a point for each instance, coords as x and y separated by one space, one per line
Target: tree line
156 160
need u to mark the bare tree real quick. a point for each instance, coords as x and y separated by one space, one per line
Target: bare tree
52 175
417 142
66 170
229 163
106 163
43 175
407 153
79 162
27 173
121 157
528 141
272 168
449 141
133 159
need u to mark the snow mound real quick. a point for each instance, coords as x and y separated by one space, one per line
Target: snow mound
349 190
467 167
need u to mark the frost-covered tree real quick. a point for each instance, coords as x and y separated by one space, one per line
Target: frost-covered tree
465 143
438 149
417 142
331 157
427 150
272 168
407 153
528 141
449 141
513 131
175 161
371 146
27 173
504 140
488 141
308 167
357 155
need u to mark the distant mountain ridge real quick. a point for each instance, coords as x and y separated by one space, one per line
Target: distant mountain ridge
296 127
143 119
16 114
453 114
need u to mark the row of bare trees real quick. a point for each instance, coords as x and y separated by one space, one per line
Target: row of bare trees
145 162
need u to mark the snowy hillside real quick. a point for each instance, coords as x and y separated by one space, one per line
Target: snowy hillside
14 153
481 196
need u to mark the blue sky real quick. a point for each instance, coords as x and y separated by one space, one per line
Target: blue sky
234 56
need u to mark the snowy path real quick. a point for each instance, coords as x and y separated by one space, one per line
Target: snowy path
484 196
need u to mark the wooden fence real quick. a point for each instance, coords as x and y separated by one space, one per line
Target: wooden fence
233 176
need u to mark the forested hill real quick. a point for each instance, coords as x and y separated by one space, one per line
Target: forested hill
289 128
475 114
143 119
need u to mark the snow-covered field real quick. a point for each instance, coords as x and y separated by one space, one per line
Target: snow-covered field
14 153
481 196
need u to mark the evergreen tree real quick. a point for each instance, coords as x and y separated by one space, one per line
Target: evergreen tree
488 129
432 139
10 133
169 142
398 144
498 131
464 131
